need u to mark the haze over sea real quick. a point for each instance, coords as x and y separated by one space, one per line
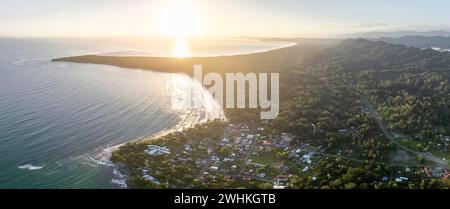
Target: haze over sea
57 120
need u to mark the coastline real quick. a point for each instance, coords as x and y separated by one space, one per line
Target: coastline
266 61
323 156
120 173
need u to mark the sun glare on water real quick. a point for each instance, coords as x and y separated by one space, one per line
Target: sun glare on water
179 20
180 49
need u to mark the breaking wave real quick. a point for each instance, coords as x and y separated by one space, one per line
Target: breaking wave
30 167
181 103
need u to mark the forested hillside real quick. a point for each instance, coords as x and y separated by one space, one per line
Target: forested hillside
368 114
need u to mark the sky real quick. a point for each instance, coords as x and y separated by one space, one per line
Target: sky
218 18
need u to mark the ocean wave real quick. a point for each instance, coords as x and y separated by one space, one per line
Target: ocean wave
122 183
30 167
440 49
100 158
188 117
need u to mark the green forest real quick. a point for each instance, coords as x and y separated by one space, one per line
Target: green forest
379 114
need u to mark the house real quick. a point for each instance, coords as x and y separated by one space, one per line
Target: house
401 179
446 138
151 179
306 169
343 131
437 172
214 168
280 182
278 187
284 140
215 159
266 146
262 175
156 150
307 157
225 140
258 165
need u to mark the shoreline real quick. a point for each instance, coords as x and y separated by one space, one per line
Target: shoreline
269 61
119 174
264 61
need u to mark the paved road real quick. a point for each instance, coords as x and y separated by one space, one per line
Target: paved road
246 159
390 136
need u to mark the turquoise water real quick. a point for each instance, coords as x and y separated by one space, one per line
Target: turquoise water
58 120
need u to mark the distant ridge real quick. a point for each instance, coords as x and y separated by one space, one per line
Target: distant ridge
397 34
420 41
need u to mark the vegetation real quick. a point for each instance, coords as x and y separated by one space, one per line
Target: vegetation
358 103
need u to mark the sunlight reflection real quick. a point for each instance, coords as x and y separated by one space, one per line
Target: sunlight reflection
181 48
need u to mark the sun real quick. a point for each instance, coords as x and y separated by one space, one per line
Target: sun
179 19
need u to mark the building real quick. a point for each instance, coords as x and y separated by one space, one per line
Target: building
156 150
280 182
401 179
343 131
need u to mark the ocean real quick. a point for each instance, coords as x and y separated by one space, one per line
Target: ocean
60 121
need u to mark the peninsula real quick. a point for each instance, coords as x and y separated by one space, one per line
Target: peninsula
355 114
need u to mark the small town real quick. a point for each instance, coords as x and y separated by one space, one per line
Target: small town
246 156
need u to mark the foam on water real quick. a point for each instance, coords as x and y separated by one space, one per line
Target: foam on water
440 49
188 117
68 118
30 167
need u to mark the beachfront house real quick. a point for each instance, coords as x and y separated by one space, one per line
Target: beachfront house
155 150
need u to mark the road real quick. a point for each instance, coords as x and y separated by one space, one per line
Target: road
348 158
390 136
244 163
